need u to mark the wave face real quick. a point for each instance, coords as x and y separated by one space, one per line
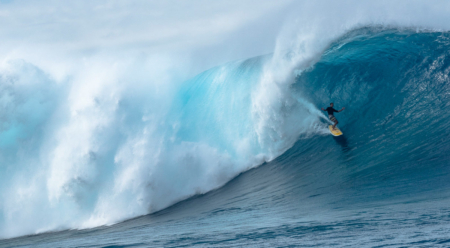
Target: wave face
118 153
395 86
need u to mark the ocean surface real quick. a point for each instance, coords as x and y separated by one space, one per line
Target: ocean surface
240 162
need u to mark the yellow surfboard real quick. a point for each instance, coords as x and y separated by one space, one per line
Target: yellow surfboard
336 131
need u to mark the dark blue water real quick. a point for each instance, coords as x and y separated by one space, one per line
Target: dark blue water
385 182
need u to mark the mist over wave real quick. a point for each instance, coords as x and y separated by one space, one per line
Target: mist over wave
95 137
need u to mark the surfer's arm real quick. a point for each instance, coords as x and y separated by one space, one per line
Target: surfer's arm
323 109
341 110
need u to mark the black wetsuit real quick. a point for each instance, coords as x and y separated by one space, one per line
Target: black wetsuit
331 110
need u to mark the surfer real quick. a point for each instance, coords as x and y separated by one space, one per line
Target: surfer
330 111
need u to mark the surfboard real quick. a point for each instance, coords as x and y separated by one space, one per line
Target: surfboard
335 132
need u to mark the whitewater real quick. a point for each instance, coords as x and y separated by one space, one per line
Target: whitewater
141 129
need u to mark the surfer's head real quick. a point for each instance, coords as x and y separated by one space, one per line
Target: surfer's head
331 104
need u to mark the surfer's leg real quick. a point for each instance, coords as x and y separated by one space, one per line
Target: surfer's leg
333 119
335 123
